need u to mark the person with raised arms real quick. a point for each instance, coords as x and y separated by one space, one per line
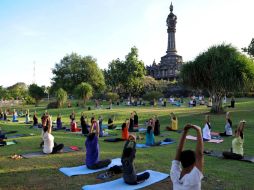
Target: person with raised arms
228 126
236 151
189 176
49 146
174 123
129 172
93 150
207 129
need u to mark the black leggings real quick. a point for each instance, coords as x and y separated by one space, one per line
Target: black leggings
100 164
57 148
140 178
231 155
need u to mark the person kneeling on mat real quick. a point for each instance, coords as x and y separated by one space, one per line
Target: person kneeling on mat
49 146
207 129
174 123
92 149
236 152
190 176
129 173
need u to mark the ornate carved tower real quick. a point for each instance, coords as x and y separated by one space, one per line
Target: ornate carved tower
170 64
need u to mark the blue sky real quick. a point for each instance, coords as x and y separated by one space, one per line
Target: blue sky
46 30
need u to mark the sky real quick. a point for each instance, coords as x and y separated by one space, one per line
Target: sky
41 32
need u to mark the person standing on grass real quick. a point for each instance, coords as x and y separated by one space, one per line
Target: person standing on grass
228 126
49 146
207 129
189 176
93 150
236 152
129 172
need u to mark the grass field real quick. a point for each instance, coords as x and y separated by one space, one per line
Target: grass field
42 173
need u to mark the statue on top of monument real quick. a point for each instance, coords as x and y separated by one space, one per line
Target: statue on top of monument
171 20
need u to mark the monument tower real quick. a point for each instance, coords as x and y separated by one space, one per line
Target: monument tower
170 64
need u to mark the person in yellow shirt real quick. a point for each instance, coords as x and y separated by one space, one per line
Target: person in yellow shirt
236 152
174 123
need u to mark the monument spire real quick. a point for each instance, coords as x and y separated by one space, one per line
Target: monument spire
171 23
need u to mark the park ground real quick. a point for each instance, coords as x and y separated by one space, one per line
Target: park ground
43 173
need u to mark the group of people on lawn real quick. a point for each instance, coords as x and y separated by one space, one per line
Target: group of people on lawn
186 168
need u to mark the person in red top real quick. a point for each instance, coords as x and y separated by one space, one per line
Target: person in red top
74 127
125 130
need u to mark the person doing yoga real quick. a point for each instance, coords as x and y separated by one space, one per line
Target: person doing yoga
125 130
92 148
189 176
207 129
174 123
49 146
236 151
129 172
228 126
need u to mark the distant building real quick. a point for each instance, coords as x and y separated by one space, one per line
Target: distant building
170 64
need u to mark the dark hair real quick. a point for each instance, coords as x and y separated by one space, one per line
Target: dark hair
127 152
187 158
45 129
123 126
90 136
149 128
230 122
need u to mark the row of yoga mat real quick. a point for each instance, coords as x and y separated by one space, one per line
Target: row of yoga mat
117 184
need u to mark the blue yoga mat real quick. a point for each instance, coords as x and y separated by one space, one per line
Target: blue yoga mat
83 170
146 146
120 185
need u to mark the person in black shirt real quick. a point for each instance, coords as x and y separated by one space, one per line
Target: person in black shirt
157 126
135 119
129 173
84 124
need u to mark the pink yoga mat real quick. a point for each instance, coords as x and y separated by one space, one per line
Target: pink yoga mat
190 137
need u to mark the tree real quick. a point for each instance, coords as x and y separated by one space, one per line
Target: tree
18 90
153 95
219 70
36 92
61 97
112 96
126 75
250 49
84 91
74 69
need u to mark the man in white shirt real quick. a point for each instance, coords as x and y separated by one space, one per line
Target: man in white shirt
189 176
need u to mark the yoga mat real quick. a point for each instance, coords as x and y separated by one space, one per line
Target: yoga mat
83 170
218 154
119 184
20 135
40 154
142 130
146 146
7 132
113 140
190 137
11 142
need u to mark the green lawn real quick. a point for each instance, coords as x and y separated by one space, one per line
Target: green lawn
42 173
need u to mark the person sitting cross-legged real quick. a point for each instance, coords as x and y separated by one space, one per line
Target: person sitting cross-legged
49 146
236 152
129 172
188 176
93 150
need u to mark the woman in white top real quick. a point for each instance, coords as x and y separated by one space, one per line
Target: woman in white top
49 146
189 176
207 129
228 126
